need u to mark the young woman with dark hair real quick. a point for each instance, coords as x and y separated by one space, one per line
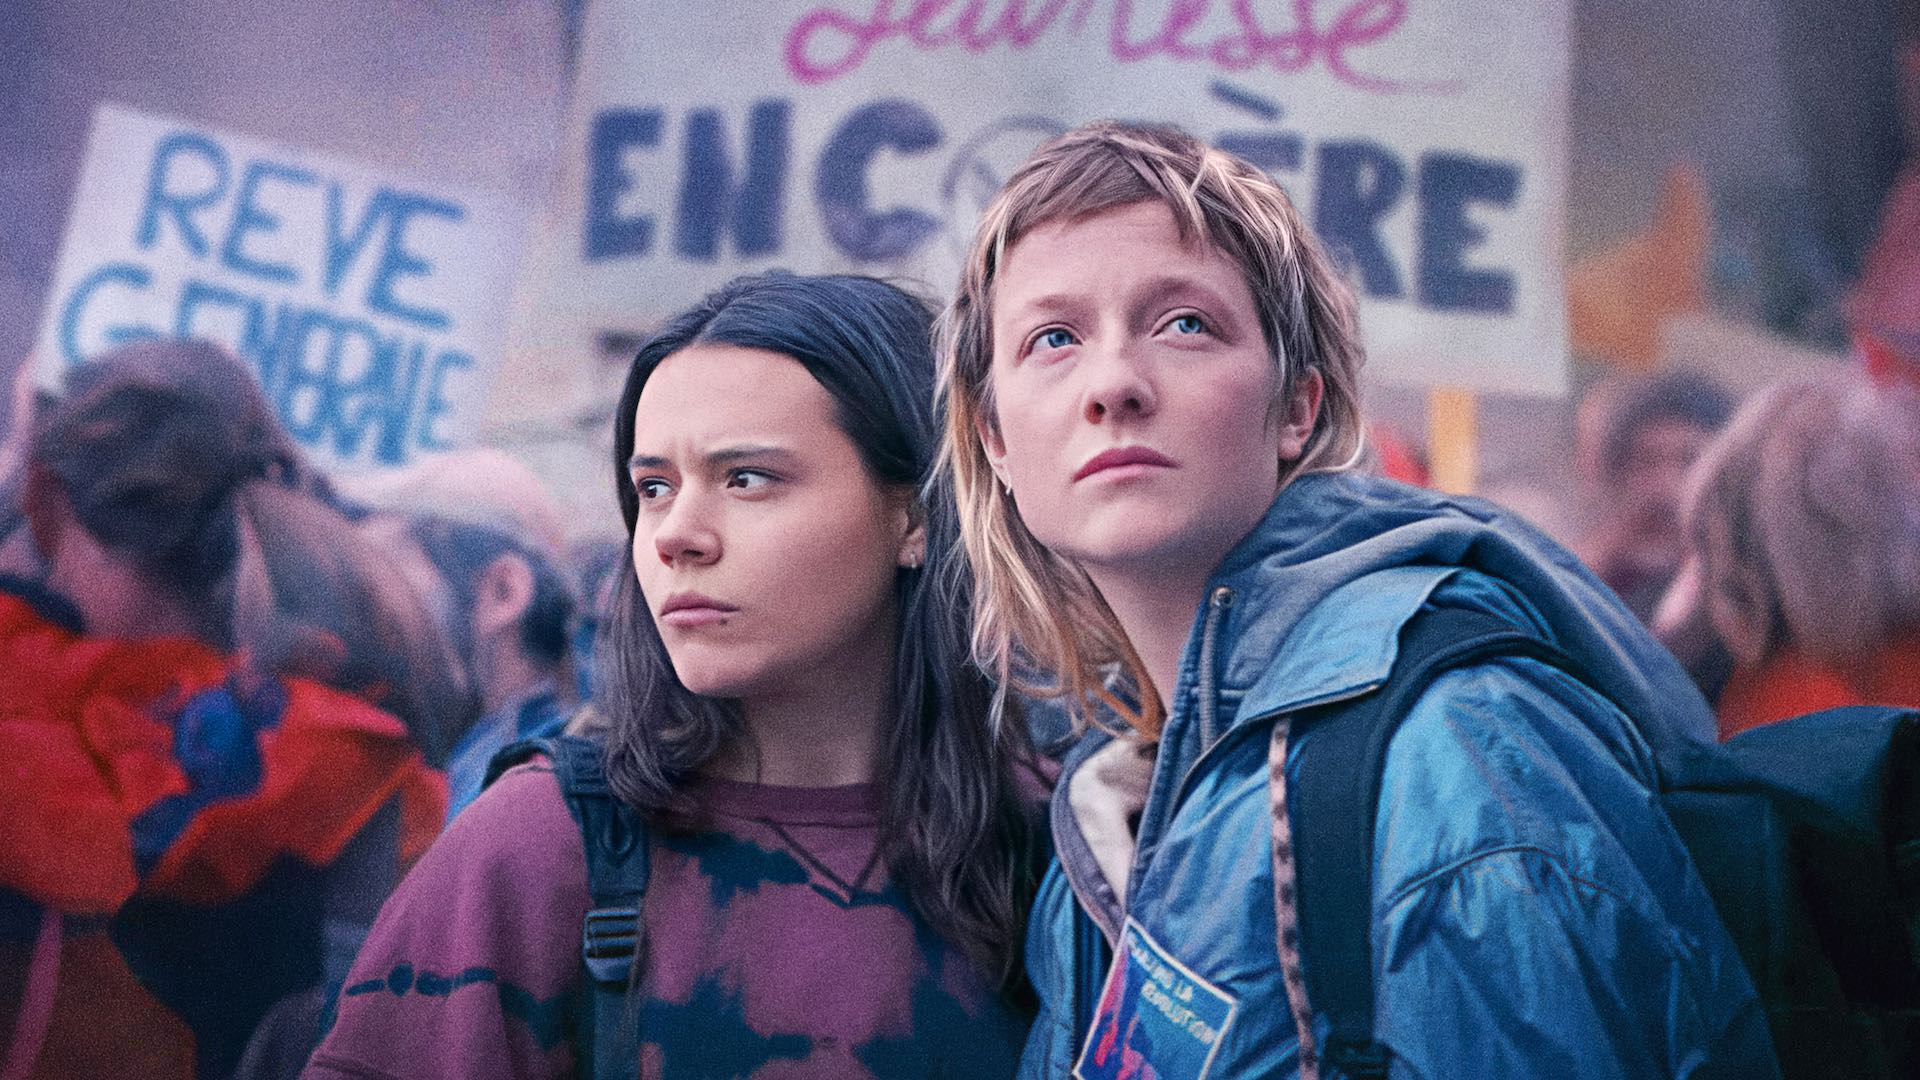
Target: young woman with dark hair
842 835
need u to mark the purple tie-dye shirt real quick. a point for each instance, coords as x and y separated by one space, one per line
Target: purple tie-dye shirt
777 949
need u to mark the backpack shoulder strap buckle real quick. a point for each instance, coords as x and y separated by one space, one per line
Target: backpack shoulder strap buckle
607 942
614 842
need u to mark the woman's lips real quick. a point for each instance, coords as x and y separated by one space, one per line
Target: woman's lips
1123 461
693 609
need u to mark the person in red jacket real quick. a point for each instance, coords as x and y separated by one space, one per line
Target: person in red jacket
174 798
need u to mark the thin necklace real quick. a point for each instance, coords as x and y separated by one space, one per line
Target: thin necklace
848 890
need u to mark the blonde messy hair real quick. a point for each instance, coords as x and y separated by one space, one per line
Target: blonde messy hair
1040 624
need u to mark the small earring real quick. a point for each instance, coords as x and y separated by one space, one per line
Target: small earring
912 562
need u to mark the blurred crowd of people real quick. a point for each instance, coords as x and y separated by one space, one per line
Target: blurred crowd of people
240 701
1772 544
239 697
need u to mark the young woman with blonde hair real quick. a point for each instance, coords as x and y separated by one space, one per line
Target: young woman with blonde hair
1150 375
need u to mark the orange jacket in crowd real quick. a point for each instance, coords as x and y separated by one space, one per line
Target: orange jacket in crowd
159 769
1789 684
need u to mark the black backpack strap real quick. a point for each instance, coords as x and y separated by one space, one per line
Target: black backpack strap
614 837
1333 798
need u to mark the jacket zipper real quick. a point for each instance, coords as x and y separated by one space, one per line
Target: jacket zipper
1220 600
1205 690
1217 604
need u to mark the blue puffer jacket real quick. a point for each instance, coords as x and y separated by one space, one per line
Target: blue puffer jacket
1535 915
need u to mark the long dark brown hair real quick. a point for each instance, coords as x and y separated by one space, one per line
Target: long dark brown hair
955 829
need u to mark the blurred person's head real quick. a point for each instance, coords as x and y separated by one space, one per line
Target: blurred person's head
135 478
1239 288
492 537
1657 427
774 450
166 499
1650 430
1805 518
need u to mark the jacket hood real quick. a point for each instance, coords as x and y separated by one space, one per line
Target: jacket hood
1382 547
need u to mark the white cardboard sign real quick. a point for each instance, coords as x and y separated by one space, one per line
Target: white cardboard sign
371 306
1425 141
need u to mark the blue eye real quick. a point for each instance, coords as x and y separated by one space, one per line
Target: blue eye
1056 338
1188 324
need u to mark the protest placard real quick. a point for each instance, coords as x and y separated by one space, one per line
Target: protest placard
371 306
1424 141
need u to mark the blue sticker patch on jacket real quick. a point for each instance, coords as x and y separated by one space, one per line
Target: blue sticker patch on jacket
1157 1020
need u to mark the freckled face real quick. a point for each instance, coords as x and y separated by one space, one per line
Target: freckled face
1133 394
765 550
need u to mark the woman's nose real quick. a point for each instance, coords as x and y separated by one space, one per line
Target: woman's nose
686 533
1117 385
